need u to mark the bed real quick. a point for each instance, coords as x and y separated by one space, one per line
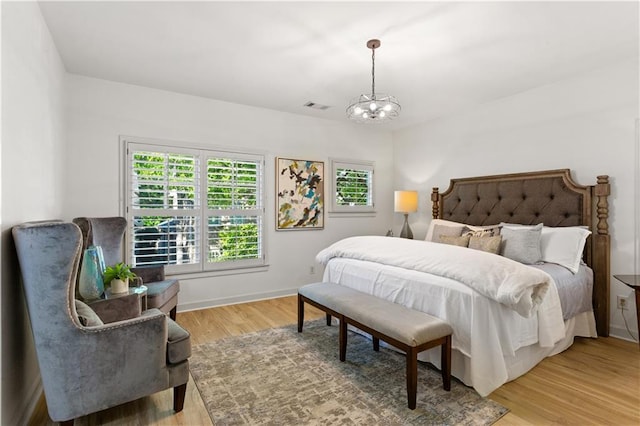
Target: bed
494 340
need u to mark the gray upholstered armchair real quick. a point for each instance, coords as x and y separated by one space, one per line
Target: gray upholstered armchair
108 233
87 366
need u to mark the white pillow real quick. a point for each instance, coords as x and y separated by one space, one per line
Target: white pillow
563 245
436 223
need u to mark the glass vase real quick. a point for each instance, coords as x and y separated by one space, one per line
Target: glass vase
90 284
100 259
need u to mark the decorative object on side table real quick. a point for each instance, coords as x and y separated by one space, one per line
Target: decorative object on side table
118 277
90 284
406 202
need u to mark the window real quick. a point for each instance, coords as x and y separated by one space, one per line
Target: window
352 186
194 209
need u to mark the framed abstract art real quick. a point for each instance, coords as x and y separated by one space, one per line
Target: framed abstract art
300 194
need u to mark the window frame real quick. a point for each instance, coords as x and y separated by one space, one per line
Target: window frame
201 212
361 165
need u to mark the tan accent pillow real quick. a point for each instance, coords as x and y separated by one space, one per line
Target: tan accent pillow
462 241
490 244
481 231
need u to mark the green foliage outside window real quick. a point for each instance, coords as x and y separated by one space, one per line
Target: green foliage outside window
231 184
352 187
164 181
236 242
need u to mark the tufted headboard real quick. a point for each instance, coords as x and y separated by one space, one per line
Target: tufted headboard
550 197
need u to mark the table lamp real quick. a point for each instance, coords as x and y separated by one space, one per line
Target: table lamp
406 202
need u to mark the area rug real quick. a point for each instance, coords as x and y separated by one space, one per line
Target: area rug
282 377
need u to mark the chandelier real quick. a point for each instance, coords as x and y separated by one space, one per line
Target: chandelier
373 108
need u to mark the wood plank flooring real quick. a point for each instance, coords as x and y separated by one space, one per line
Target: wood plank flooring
595 382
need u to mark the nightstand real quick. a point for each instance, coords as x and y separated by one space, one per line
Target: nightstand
632 281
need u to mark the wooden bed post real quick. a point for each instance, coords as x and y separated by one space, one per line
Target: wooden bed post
435 203
602 256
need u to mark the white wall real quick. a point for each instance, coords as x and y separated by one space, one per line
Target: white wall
585 123
32 157
60 159
100 111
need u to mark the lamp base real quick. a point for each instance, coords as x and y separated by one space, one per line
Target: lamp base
406 230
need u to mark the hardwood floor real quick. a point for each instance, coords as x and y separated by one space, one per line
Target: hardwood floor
596 381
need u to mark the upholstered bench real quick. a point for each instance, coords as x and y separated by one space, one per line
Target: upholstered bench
406 329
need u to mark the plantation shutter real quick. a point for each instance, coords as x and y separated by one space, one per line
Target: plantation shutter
234 211
353 187
164 211
194 210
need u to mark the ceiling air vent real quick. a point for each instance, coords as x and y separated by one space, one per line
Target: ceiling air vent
316 106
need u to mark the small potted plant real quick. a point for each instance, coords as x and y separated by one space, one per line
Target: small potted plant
118 277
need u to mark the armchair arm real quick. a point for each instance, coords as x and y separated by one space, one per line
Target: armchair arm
152 316
149 274
117 308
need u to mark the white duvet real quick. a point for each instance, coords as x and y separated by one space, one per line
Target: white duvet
513 284
487 332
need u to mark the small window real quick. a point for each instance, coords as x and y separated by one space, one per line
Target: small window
352 186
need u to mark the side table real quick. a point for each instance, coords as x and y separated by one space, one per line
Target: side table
632 281
120 306
140 290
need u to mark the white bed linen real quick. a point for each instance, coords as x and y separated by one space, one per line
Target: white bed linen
513 284
488 337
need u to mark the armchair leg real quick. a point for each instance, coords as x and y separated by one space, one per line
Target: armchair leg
179 393
172 313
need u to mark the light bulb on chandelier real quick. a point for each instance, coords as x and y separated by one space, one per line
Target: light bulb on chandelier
373 108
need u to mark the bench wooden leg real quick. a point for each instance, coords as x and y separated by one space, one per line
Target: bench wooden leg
376 344
300 313
445 363
328 319
412 377
343 339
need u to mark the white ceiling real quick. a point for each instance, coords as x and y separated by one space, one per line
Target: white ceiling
436 57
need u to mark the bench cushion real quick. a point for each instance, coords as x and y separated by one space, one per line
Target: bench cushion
408 326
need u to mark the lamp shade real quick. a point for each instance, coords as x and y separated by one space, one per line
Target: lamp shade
405 201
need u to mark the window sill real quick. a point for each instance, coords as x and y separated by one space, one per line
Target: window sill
352 214
217 273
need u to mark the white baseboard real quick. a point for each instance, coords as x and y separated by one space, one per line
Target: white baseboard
24 411
253 297
622 333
